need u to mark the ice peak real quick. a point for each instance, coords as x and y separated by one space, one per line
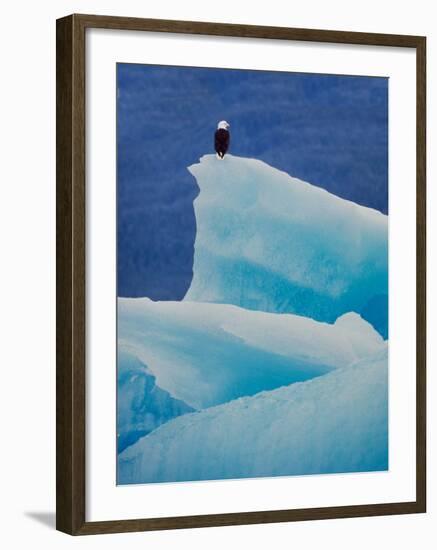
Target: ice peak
268 241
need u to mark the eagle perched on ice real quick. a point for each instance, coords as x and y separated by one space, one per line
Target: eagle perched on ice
222 138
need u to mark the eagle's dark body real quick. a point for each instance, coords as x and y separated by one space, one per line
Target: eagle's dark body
221 141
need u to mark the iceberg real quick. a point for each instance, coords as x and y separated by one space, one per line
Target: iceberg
270 242
205 354
335 423
142 406
275 363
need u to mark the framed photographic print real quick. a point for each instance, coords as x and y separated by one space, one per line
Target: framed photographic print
240 274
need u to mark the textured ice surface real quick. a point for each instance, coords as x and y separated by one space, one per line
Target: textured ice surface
335 423
270 242
207 354
141 405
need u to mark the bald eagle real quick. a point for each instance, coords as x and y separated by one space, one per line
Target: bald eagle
222 138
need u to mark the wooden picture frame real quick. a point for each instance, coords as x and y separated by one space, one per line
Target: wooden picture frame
71 257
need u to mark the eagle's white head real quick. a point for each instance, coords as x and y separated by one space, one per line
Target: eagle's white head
223 125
